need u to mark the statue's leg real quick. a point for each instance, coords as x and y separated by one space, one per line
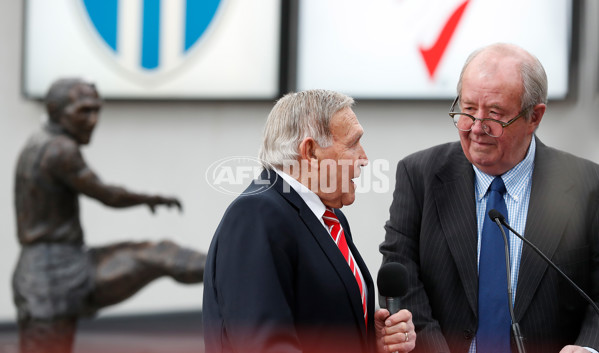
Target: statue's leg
47 336
125 268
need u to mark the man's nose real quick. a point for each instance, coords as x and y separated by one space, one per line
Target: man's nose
477 127
363 158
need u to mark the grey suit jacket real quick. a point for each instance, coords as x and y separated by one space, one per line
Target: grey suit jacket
432 230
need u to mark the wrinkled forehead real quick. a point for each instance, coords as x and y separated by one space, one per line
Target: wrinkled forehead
86 95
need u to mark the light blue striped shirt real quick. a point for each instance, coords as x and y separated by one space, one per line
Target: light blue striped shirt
518 181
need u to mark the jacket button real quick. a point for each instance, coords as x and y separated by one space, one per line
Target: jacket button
468 334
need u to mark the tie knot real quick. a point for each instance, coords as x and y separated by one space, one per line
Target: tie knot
498 185
329 217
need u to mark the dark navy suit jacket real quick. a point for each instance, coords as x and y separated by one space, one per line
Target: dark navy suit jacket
276 282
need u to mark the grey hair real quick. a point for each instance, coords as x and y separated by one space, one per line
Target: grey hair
293 118
534 78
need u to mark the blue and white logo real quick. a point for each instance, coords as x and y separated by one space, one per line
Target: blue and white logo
151 36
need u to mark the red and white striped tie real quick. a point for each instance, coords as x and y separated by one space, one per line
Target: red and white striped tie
332 222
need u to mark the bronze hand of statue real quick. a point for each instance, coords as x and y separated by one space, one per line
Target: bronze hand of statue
169 202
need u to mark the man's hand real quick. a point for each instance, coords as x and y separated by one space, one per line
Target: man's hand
156 200
394 333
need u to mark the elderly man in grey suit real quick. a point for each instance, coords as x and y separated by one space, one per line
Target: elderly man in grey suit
437 220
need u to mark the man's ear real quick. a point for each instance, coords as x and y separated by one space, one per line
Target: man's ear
307 149
536 116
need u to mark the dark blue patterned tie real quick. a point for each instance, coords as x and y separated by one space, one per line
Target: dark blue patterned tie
493 335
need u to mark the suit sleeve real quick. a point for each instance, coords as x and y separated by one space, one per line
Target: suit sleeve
254 276
401 245
589 332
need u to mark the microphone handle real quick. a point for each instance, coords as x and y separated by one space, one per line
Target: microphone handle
515 327
392 304
540 253
518 337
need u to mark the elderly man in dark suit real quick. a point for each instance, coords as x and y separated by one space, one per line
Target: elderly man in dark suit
439 210
282 273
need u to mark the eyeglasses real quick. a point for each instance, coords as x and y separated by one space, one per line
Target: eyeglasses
491 127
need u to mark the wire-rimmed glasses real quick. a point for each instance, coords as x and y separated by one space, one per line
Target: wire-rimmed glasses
491 127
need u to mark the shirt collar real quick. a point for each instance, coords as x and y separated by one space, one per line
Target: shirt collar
309 197
513 178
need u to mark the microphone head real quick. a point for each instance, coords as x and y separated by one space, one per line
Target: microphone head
494 214
392 280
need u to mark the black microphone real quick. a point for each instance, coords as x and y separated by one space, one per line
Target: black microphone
496 216
392 281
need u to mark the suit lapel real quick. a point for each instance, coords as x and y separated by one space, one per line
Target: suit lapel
365 274
332 252
454 198
545 224
546 221
326 243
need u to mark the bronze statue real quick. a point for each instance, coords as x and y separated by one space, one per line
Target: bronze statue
57 278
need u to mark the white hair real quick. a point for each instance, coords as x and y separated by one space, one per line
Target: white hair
293 118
